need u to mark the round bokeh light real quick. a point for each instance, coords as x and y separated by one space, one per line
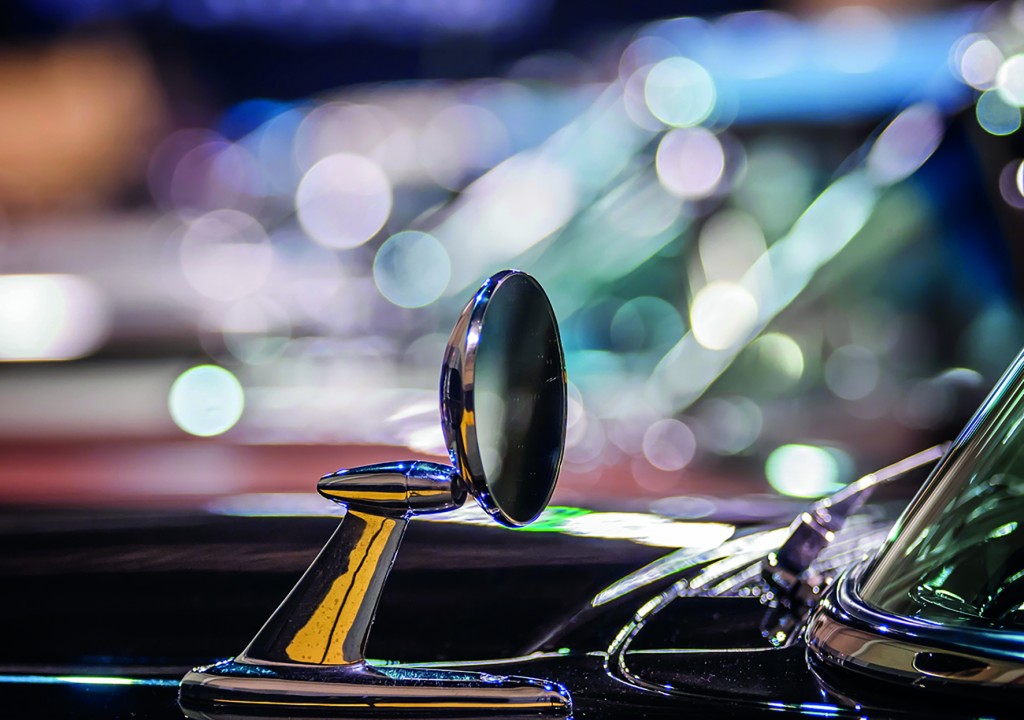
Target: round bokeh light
206 400
412 269
343 201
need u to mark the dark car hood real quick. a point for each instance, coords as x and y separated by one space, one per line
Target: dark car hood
90 591
105 611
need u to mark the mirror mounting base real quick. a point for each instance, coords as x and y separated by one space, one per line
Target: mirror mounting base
235 688
310 654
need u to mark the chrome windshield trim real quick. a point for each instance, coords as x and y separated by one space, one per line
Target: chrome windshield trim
845 631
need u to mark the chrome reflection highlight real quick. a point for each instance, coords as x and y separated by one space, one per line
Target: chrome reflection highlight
311 652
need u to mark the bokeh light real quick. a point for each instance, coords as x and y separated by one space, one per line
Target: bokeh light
51 317
730 242
852 372
1010 80
343 200
461 141
773 204
412 269
1011 184
995 115
339 128
256 330
806 471
669 444
722 315
680 92
645 324
690 162
977 60
225 254
905 145
729 426
216 174
783 355
206 400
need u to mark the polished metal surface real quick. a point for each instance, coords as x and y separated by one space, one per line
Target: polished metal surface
311 652
846 632
241 688
326 618
397 487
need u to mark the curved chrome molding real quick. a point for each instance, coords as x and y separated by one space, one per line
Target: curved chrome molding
233 689
845 632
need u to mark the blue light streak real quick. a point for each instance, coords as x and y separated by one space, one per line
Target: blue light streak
85 680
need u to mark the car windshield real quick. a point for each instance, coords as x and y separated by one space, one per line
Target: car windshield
957 555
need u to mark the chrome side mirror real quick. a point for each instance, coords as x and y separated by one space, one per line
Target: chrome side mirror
503 414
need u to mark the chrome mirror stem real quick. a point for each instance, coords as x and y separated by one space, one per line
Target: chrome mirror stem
326 618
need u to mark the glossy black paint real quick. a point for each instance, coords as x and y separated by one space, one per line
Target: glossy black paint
148 595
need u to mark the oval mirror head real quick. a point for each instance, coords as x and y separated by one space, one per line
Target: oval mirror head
503 397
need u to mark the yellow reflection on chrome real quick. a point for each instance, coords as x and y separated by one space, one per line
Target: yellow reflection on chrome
322 640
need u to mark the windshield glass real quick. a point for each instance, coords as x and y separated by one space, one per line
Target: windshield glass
957 555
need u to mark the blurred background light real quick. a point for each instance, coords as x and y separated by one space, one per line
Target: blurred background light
996 115
1011 184
669 444
857 39
783 354
680 92
256 331
343 200
206 400
690 162
977 59
225 254
852 372
411 269
51 317
1010 80
723 315
753 227
729 426
905 145
729 244
461 141
805 471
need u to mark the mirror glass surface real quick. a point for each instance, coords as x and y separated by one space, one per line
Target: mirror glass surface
519 398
